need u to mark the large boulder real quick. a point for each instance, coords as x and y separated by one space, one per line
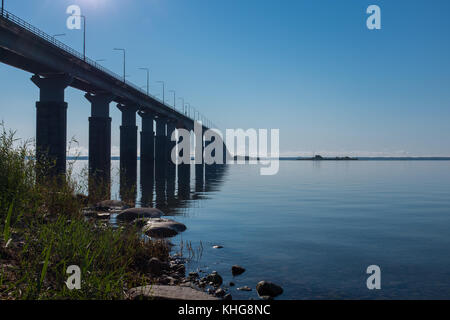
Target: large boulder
157 292
268 289
139 213
163 228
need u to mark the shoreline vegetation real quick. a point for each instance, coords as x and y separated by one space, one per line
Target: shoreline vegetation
48 225
45 228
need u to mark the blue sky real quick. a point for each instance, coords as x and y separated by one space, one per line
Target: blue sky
310 68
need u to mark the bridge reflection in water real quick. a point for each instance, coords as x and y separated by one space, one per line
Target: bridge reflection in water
168 187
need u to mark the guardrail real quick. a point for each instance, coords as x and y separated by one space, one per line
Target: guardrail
44 36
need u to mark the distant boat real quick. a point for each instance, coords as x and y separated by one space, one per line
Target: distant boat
320 158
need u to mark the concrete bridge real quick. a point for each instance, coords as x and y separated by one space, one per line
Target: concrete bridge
55 67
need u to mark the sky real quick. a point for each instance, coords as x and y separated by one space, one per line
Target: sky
310 68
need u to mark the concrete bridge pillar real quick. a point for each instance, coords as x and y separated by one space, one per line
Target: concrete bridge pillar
199 157
171 127
161 141
100 145
51 123
128 152
147 136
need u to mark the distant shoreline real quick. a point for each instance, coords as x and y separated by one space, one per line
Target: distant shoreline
327 159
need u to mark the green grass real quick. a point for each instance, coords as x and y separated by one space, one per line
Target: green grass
50 233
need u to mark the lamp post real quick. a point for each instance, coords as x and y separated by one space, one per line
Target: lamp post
163 92
148 78
183 108
124 62
174 99
84 35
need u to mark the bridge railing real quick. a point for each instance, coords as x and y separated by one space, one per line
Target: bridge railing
52 40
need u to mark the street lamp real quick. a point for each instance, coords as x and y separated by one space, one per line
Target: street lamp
84 34
148 78
124 61
163 87
182 99
174 99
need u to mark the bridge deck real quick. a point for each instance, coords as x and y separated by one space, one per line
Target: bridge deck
28 48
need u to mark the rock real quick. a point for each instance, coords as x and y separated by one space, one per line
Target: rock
161 292
83 199
231 284
266 288
193 275
245 288
137 213
217 247
156 266
107 205
228 297
220 293
180 269
102 215
163 228
237 270
214 278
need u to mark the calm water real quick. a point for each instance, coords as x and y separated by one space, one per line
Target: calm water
316 226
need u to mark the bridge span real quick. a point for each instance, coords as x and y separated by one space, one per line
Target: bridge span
55 67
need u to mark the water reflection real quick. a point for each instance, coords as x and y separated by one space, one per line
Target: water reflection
168 187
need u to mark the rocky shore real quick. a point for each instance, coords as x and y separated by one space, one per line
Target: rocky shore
170 281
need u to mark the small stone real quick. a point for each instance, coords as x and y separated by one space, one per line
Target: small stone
107 205
217 247
156 266
245 288
237 270
193 275
214 278
228 297
231 284
266 288
220 293
102 215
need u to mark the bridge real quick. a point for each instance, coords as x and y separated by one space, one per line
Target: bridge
55 67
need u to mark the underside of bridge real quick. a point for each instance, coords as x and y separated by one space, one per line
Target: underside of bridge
56 67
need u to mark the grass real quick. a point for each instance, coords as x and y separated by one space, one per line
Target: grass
43 232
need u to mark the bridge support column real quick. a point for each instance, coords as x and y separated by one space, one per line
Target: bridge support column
199 160
161 142
147 163
128 152
51 124
100 146
170 144
147 137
